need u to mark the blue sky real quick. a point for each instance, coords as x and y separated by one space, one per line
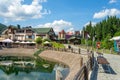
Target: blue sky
60 14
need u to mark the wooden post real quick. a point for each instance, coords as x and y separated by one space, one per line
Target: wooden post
79 50
81 61
85 72
72 50
110 50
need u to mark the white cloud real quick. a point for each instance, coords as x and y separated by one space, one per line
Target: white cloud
58 25
15 10
107 12
93 23
112 1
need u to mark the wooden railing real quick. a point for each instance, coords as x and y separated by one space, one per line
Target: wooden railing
83 73
72 50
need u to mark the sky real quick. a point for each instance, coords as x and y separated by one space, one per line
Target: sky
70 15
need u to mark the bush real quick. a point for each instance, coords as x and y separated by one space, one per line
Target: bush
46 40
57 45
89 42
38 40
82 41
38 52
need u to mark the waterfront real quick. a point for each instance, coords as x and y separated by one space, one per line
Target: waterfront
29 69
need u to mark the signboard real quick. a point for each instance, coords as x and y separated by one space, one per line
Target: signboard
98 44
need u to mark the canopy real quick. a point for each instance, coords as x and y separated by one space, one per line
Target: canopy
17 42
7 40
27 42
115 38
46 42
23 42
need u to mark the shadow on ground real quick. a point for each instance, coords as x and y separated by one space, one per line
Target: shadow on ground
94 73
111 71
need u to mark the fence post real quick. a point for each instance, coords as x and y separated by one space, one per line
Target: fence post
81 61
85 72
79 50
72 50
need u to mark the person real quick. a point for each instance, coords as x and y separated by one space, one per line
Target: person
69 47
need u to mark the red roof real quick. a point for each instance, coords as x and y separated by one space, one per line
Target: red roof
62 32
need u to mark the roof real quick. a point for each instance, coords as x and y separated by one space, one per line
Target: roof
2 28
62 32
41 30
115 38
75 37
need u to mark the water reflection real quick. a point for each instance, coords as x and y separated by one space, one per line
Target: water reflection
38 69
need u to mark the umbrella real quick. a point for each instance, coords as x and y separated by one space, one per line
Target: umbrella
28 42
46 42
33 42
23 42
17 42
7 40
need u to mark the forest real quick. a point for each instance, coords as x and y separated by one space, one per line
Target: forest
102 32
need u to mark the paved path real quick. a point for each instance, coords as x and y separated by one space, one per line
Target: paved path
70 59
114 61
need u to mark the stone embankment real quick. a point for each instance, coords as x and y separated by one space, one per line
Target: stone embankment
70 59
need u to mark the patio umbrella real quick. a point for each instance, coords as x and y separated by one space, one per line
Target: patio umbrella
17 42
7 40
46 42
33 42
23 42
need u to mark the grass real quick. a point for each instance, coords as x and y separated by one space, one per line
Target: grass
107 51
38 52
57 45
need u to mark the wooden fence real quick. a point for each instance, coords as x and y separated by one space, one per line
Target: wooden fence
72 50
83 73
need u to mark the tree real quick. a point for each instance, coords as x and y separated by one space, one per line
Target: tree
38 41
104 30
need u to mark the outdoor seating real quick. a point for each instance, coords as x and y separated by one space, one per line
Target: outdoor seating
103 61
99 53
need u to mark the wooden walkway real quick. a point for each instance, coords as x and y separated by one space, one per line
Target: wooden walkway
70 59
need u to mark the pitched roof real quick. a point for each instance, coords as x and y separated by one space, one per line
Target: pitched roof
41 30
2 28
62 32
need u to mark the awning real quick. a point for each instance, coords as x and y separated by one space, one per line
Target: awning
115 38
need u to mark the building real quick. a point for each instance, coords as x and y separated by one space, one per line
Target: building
27 33
44 33
62 37
76 38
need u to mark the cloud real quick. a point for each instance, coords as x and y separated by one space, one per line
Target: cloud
106 12
58 25
93 23
16 10
112 1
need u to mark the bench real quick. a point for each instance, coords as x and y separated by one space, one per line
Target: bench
103 61
99 53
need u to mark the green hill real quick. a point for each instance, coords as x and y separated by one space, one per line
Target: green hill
2 27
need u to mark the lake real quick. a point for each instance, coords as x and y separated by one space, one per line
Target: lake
16 68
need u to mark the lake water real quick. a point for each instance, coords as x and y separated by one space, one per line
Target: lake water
38 69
